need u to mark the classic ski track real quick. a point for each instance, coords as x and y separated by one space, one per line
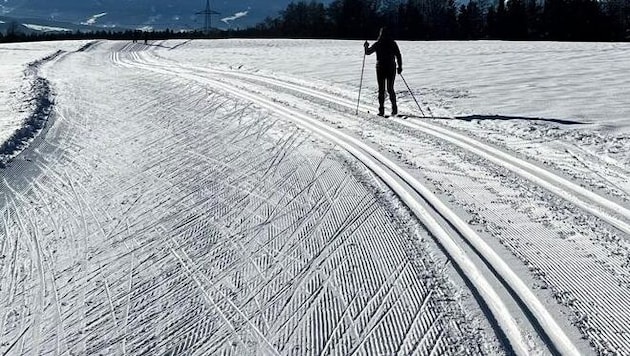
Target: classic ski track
106 288
590 201
601 333
592 169
375 161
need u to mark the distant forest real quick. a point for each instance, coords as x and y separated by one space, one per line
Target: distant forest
13 34
557 20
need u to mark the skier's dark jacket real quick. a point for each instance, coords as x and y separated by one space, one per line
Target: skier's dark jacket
387 52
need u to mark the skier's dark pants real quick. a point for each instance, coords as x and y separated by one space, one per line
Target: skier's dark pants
385 76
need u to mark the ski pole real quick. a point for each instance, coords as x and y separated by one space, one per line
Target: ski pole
360 84
413 96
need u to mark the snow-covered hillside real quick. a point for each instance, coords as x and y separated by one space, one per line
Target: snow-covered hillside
226 197
138 13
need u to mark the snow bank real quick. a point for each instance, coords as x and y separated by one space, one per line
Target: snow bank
23 95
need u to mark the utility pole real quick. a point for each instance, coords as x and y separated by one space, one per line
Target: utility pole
207 23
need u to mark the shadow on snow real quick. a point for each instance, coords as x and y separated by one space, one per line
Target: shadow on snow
470 118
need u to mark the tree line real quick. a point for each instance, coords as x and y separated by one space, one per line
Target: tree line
14 34
560 20
557 20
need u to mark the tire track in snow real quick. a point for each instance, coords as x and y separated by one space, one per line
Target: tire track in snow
370 157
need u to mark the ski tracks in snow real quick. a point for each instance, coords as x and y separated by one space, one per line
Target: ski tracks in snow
205 214
541 215
376 163
164 216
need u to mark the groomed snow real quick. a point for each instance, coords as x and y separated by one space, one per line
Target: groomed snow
220 196
169 216
507 92
492 97
562 104
573 81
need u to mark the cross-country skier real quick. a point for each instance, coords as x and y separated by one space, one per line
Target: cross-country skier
387 53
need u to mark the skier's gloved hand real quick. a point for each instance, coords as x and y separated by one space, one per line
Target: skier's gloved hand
366 45
399 70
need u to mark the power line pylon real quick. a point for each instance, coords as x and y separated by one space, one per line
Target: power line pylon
207 23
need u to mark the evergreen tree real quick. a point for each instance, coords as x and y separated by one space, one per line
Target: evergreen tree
555 23
411 21
515 26
354 18
534 19
470 20
304 19
13 31
500 20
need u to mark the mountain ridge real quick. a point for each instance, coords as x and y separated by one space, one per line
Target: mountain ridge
158 14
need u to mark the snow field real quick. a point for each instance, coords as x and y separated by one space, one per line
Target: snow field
600 160
556 225
575 81
499 310
588 200
505 92
181 219
184 212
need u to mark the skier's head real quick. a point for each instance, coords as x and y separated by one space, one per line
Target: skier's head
383 34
